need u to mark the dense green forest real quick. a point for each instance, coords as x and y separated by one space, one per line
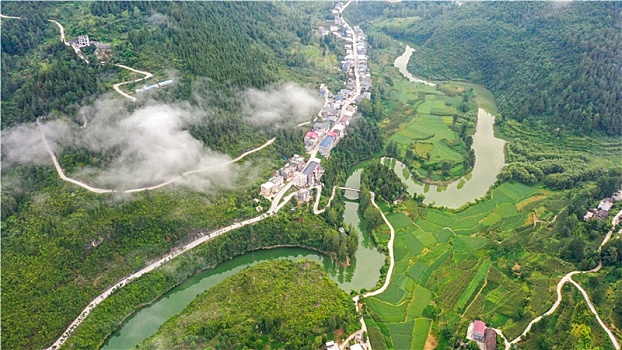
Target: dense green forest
555 62
62 245
278 304
299 229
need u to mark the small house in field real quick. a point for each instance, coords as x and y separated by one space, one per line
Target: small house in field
479 328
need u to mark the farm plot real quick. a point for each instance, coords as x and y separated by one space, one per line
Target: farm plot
401 139
413 245
491 219
386 311
443 235
426 238
416 270
420 333
467 243
393 294
402 334
399 221
419 302
474 285
439 217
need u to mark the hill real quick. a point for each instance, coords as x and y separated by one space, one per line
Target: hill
277 304
556 62
62 245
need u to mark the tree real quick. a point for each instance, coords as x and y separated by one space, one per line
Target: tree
372 217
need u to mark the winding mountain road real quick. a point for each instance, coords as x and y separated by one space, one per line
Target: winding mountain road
116 86
61 172
568 279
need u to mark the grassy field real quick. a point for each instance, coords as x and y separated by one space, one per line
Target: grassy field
449 269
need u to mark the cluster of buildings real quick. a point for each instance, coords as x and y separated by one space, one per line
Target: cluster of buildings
333 119
304 175
102 50
485 337
602 211
337 111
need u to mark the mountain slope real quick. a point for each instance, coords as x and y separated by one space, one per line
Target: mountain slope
550 61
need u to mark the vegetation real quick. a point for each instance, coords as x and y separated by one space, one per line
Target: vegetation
382 180
298 229
573 48
448 273
62 246
279 304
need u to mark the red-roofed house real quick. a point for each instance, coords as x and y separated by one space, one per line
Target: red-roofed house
479 328
310 138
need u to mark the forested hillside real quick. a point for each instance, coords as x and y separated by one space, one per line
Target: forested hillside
277 304
63 245
557 62
232 46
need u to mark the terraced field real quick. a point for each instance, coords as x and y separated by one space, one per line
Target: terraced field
447 272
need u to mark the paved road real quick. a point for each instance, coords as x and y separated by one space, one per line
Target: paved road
391 255
568 278
13 17
61 172
155 265
116 86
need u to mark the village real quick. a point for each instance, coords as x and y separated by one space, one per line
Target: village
602 211
333 120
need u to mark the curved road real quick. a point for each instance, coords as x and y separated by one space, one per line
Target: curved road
87 310
61 172
147 75
568 278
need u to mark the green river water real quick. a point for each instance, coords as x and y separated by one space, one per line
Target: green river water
363 273
365 270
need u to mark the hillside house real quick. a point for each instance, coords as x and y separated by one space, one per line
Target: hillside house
326 146
311 138
606 204
277 180
303 195
267 189
321 128
310 175
297 161
329 112
83 41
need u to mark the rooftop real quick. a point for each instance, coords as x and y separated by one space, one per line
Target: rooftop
327 141
479 327
310 168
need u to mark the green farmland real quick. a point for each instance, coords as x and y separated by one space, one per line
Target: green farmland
453 267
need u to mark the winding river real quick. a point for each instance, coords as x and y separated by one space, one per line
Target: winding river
363 273
489 159
365 269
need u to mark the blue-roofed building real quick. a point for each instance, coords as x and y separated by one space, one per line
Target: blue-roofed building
326 145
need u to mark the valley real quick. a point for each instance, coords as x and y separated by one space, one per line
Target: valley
434 207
